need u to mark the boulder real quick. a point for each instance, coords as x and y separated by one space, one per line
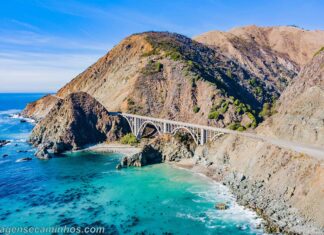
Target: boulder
42 153
221 206
149 155
25 159
4 142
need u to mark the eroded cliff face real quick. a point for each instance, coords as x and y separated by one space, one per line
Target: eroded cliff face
300 116
76 121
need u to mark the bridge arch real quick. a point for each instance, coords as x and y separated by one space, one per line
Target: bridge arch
143 126
216 136
129 124
193 135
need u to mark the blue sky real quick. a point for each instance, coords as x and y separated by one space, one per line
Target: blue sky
45 43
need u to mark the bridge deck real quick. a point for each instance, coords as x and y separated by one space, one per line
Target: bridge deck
314 151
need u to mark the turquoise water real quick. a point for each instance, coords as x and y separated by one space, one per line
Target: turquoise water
85 189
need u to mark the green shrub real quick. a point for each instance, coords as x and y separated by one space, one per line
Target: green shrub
190 64
229 73
130 102
174 55
129 139
213 115
239 110
241 128
253 82
251 116
158 66
151 52
258 90
152 67
266 110
319 51
234 126
196 109
253 119
224 107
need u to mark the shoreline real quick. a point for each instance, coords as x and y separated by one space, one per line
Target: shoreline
245 190
184 164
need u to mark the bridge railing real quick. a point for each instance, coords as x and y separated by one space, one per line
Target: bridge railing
209 128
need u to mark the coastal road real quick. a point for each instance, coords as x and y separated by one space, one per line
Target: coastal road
313 151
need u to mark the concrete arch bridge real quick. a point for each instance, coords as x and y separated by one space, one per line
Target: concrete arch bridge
202 134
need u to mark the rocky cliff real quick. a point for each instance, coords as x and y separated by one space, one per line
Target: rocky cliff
300 116
75 121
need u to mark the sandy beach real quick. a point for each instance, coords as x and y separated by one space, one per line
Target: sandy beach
126 150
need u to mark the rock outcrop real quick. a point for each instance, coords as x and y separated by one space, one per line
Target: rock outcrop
38 109
164 148
4 142
74 122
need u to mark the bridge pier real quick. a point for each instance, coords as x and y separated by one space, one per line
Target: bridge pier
203 136
165 127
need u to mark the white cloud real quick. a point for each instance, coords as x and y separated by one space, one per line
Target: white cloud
34 72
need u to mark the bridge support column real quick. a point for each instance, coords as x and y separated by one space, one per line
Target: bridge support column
135 126
203 136
165 127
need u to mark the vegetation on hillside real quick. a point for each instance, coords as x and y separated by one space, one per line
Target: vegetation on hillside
129 139
319 51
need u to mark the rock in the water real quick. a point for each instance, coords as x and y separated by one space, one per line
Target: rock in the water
76 121
4 142
221 206
5 155
42 153
148 156
21 151
25 159
119 166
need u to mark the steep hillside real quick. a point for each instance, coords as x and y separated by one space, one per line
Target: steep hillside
272 53
171 76
298 44
300 114
263 62
74 122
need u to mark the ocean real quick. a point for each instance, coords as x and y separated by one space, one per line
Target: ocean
85 190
